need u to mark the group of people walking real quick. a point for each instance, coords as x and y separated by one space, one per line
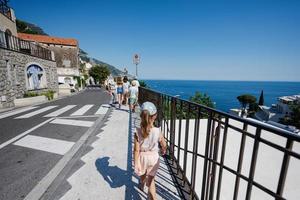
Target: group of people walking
124 92
147 138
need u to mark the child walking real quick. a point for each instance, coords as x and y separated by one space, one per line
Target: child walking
120 92
146 146
133 96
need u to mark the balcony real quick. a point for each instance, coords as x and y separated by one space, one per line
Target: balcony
10 42
5 9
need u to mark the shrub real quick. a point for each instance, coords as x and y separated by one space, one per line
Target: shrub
30 94
99 73
49 94
143 84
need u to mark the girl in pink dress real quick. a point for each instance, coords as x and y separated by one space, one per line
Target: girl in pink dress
146 146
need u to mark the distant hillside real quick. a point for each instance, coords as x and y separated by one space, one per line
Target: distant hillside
114 71
25 27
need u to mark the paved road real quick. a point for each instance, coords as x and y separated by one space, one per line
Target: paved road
34 139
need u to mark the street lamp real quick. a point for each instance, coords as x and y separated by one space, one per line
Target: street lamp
136 61
125 71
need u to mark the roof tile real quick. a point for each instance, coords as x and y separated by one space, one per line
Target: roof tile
48 39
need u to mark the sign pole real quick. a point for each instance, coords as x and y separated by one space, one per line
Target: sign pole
136 61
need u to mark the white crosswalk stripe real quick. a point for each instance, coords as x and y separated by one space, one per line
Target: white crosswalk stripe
82 110
45 144
103 109
73 122
15 112
36 112
24 133
60 111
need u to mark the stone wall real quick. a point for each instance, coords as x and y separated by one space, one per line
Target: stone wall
6 23
13 78
65 53
67 61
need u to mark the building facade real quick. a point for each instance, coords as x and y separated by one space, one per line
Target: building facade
284 103
24 66
66 52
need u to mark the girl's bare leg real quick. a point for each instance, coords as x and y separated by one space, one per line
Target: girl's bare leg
120 99
152 189
142 182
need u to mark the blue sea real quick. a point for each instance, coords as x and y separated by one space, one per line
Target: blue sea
224 93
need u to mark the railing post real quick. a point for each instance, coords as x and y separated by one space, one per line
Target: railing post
222 158
179 135
209 171
160 110
172 128
215 158
186 140
195 152
205 172
240 162
253 163
284 167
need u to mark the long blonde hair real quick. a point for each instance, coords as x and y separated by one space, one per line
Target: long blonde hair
146 123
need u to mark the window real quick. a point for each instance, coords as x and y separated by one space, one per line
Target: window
8 38
66 63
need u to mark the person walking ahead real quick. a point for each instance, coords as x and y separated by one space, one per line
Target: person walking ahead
133 96
146 146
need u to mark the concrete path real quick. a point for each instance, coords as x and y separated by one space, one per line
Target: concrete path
107 171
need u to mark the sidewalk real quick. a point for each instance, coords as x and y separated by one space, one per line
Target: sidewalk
107 172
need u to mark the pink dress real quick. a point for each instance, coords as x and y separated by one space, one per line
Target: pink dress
148 157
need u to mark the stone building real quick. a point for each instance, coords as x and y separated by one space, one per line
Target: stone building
66 52
24 66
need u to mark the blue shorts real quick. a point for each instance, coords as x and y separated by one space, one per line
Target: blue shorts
119 90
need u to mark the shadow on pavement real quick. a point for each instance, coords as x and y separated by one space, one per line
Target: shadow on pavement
117 177
113 175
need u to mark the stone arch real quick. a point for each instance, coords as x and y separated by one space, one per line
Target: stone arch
7 31
35 76
8 35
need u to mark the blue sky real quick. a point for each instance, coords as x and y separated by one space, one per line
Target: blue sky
180 39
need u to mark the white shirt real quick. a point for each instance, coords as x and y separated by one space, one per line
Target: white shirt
126 86
133 91
149 143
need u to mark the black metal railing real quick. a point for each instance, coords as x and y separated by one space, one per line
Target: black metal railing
5 9
8 41
200 153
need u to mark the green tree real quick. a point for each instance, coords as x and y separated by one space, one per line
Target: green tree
253 108
245 101
294 118
296 115
99 73
143 84
82 67
261 100
22 27
202 99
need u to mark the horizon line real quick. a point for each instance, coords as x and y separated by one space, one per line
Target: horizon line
293 81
